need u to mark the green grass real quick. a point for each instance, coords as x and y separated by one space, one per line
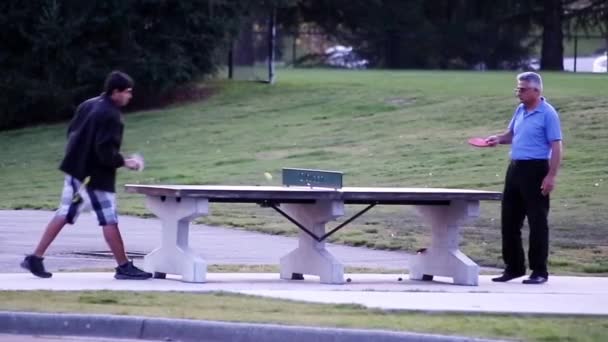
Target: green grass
229 307
381 128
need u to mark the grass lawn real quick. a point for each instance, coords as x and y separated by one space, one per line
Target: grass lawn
229 307
381 128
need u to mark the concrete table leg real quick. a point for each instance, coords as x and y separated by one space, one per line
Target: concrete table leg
174 256
311 257
443 257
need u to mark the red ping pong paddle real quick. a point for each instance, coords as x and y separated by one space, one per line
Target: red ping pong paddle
479 142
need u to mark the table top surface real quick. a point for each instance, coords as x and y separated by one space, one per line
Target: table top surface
362 195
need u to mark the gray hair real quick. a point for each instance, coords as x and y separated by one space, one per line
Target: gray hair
533 78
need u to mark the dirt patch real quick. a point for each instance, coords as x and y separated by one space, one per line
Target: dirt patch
186 94
180 95
399 101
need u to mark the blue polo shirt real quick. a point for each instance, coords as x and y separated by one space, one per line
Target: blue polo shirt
533 132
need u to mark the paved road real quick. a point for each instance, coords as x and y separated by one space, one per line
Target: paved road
20 230
26 338
583 64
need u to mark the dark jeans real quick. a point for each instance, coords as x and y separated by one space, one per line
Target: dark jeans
522 198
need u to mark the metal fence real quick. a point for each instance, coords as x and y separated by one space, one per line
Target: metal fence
260 47
584 53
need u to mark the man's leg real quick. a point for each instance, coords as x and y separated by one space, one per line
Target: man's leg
114 241
538 252
537 208
33 262
66 213
512 219
52 230
104 205
125 269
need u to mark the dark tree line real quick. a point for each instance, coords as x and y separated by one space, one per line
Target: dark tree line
55 53
558 17
455 33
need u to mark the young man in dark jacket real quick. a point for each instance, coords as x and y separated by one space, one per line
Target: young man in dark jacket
90 162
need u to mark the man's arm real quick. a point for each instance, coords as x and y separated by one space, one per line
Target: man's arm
107 140
556 158
553 134
79 115
503 139
106 146
554 164
76 121
506 137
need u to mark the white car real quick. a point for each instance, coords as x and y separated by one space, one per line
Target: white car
344 57
599 64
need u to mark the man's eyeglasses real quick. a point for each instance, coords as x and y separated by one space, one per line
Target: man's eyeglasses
521 89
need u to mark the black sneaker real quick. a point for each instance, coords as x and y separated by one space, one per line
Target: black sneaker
508 276
34 264
537 278
129 271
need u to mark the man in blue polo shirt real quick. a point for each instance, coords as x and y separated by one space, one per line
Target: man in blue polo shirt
536 151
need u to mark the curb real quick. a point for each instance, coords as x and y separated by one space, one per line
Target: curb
183 330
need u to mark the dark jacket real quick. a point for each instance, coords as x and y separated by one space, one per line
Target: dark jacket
94 139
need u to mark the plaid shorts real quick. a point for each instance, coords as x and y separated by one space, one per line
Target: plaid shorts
76 198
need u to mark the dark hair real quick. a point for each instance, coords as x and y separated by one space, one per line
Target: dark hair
117 80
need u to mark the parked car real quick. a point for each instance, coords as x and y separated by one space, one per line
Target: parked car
599 64
344 57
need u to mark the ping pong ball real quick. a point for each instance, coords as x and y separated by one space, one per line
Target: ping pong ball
268 175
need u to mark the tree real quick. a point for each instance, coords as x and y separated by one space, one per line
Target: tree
56 53
424 34
556 16
590 15
552 51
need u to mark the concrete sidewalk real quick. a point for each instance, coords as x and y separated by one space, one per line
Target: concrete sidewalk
560 296
20 230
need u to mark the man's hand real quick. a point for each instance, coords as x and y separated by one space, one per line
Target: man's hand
548 184
492 140
132 164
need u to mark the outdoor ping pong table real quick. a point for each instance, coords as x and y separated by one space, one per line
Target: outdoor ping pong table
310 208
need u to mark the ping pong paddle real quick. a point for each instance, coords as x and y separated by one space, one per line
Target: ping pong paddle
479 142
77 198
